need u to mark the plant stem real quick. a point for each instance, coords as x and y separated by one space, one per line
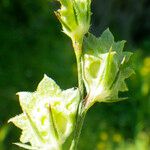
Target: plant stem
78 52
80 80
79 116
77 131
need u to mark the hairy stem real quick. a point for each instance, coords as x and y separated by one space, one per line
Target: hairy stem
77 45
80 80
77 131
79 116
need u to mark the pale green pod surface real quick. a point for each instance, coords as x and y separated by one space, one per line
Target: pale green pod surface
74 16
48 116
105 68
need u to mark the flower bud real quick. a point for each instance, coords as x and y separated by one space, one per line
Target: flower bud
74 16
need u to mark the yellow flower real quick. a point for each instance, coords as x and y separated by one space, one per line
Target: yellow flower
117 138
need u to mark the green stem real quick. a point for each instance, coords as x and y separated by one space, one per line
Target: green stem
77 131
80 80
79 116
77 45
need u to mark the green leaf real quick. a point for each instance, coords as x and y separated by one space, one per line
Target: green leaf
105 68
48 115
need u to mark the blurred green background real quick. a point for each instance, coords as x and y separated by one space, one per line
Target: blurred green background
31 44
